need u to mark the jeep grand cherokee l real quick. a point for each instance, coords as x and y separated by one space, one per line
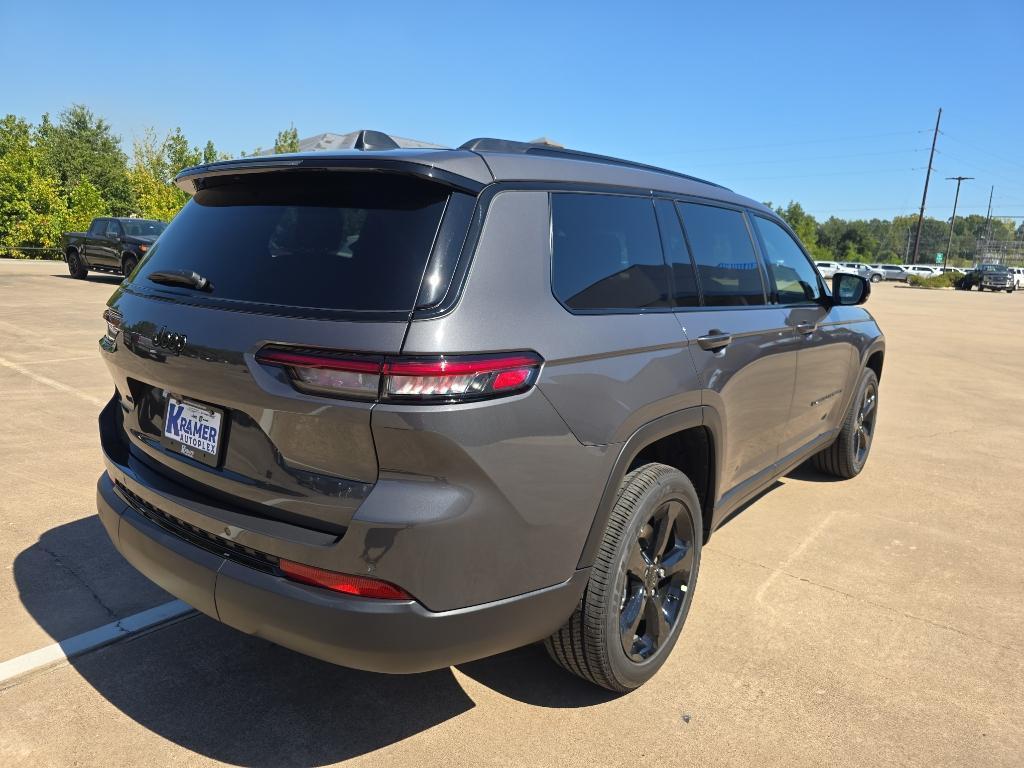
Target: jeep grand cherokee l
401 409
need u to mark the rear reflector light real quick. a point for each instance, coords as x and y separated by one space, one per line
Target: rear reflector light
342 582
113 318
442 378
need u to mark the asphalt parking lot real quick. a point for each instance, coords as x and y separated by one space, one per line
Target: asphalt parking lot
878 621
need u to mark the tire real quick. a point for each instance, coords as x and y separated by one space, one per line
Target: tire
876 278
645 573
128 264
848 454
76 267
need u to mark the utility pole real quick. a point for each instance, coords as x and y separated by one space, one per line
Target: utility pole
988 216
952 222
924 197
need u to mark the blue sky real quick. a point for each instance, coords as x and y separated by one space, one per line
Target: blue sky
827 103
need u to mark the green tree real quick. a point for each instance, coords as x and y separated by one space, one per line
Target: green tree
287 141
211 155
179 154
154 165
32 210
84 205
81 146
805 226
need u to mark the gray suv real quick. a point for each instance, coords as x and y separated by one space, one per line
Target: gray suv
402 409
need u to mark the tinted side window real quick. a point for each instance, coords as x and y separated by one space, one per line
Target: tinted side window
726 263
98 227
606 252
113 228
684 277
795 279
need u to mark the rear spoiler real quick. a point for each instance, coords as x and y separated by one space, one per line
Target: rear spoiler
191 180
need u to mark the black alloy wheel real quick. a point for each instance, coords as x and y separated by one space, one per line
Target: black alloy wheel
866 415
659 574
641 583
848 454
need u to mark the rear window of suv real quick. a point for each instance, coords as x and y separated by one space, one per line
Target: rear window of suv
337 241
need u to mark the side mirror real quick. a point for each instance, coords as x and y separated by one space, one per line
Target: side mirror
849 289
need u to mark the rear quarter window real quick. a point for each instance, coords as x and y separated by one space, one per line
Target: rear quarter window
338 241
606 252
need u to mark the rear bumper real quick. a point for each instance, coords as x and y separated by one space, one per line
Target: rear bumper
375 635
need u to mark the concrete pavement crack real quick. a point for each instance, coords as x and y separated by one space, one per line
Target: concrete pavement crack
78 577
931 622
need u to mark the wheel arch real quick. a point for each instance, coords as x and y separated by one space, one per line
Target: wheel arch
129 255
875 358
689 440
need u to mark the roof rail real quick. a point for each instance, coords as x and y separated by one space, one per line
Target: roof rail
528 148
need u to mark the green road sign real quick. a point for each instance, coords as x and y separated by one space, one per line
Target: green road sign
938 258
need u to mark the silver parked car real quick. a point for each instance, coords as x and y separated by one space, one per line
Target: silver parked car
872 273
402 409
892 271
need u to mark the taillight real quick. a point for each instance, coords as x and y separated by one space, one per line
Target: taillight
437 378
459 377
327 373
342 582
113 318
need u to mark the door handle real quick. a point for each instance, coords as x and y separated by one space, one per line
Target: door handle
715 340
806 328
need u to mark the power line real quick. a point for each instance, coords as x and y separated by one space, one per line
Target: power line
901 212
836 173
793 143
1013 181
780 161
985 151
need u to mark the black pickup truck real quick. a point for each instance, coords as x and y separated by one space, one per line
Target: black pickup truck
110 245
988 277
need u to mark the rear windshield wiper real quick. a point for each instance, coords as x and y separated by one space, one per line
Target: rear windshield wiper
181 277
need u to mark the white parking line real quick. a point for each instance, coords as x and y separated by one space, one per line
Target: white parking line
50 382
94 638
59 360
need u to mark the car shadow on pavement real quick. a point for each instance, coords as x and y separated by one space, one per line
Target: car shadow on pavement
808 473
749 503
241 700
529 675
97 278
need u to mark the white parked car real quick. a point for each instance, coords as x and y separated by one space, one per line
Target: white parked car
922 270
1018 276
828 269
892 271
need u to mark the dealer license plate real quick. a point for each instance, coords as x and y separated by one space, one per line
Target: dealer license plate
193 430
